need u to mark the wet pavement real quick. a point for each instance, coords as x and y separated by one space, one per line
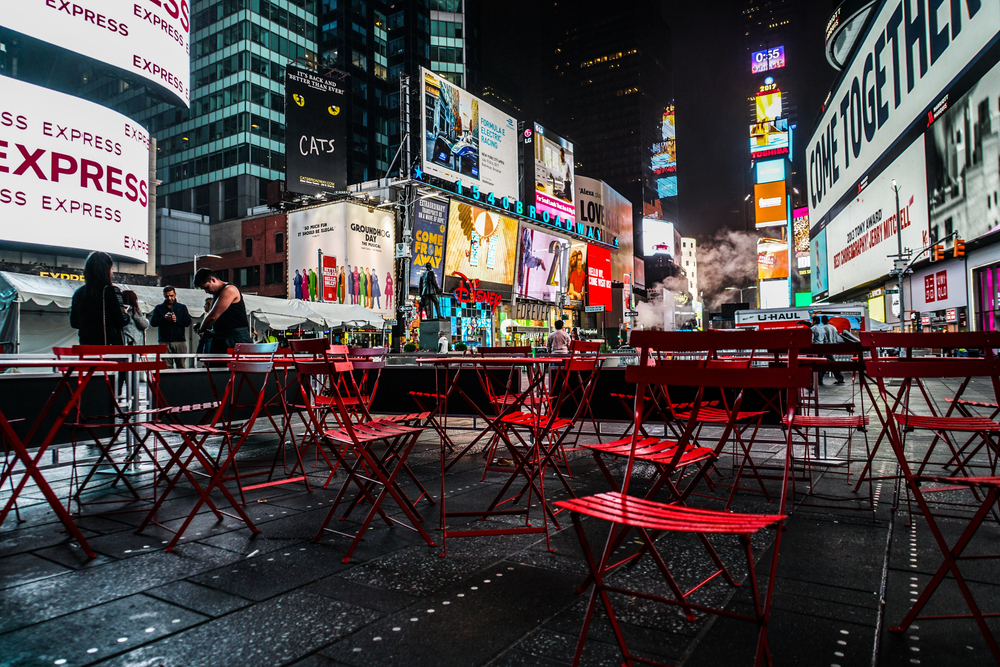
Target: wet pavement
227 597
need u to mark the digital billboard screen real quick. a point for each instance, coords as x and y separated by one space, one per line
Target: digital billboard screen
659 238
360 243
550 159
772 258
430 225
774 293
538 265
768 103
769 137
770 209
73 174
769 171
576 275
146 39
599 277
600 205
481 245
763 61
315 133
466 139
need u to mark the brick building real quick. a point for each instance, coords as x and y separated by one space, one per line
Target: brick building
251 255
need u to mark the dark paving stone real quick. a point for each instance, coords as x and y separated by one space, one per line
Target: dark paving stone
25 568
202 599
836 546
28 538
45 599
109 628
338 588
275 632
491 613
293 529
273 573
317 661
73 557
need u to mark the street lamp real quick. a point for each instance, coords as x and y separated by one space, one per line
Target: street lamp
196 262
900 263
740 290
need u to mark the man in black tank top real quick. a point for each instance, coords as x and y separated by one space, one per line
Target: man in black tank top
228 317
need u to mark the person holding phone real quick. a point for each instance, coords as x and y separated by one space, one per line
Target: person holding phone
172 319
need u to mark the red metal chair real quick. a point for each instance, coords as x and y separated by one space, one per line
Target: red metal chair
244 376
649 517
900 416
373 475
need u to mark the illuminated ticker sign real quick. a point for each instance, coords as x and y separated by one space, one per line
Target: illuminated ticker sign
768 59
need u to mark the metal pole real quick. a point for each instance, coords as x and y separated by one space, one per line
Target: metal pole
319 279
899 266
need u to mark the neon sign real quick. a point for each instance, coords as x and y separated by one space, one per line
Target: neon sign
469 293
591 233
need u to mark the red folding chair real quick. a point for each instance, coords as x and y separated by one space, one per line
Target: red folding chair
192 456
650 517
900 416
372 474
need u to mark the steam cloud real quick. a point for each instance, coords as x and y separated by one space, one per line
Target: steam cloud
728 259
656 313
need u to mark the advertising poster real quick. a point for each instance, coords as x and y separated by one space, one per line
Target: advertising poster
763 61
576 280
659 238
769 137
481 245
863 235
466 139
430 224
772 259
358 243
800 236
330 282
770 206
147 40
73 173
774 293
958 177
600 205
957 34
769 171
315 133
768 103
817 257
538 267
599 277
552 165
665 156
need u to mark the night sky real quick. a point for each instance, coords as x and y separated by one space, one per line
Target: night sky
711 83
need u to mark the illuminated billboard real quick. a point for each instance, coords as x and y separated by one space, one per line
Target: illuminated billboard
550 158
73 174
875 115
769 137
772 258
769 171
774 293
664 161
357 246
466 139
599 277
481 245
770 204
600 205
537 273
315 133
763 61
768 103
148 40
861 237
430 224
659 238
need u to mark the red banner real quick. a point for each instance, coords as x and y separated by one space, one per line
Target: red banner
599 276
329 278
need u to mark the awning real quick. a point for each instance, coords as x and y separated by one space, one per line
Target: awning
279 322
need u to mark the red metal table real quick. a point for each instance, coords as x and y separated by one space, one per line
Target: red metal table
83 370
533 397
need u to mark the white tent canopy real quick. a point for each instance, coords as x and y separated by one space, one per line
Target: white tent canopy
53 296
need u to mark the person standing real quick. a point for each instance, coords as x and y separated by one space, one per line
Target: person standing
388 290
428 290
364 287
832 336
172 319
357 287
135 329
350 285
228 317
558 341
313 285
297 282
341 286
442 347
97 309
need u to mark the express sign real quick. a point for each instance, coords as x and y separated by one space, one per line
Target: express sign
73 174
146 38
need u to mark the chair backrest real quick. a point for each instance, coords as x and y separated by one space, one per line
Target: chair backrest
245 389
309 345
367 358
907 365
517 351
702 366
243 350
149 357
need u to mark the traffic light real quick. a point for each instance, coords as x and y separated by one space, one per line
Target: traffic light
959 248
938 253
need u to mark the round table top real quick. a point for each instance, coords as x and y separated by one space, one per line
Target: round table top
491 361
49 363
